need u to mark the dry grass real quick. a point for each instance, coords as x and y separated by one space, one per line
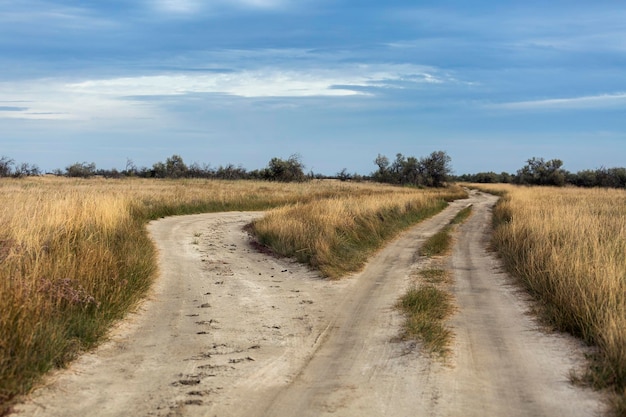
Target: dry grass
568 246
337 235
75 255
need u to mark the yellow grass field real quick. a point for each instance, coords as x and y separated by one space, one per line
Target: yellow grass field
568 247
75 255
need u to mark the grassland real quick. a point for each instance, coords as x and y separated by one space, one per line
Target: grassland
336 235
568 248
75 255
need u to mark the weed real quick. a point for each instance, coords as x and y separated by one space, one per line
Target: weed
437 244
429 304
426 308
440 243
462 215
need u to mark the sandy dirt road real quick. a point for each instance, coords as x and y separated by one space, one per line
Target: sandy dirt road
229 331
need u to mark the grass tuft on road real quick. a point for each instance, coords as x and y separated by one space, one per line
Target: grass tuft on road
429 303
426 308
440 243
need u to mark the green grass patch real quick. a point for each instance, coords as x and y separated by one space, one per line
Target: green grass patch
441 242
462 215
426 309
437 244
428 306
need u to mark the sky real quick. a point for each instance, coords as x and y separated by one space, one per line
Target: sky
492 83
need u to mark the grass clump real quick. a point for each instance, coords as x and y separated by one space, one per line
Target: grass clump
462 215
426 308
429 304
440 243
437 244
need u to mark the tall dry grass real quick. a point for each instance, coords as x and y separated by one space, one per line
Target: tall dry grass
70 262
336 235
568 246
75 255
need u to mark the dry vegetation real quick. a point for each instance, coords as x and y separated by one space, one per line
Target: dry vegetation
568 247
336 235
75 256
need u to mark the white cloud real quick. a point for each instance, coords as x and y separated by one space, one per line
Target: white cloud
584 102
121 98
190 7
36 14
263 82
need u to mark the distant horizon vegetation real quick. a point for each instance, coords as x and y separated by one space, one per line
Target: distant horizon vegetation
432 171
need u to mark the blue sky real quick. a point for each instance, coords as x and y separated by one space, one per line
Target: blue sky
492 83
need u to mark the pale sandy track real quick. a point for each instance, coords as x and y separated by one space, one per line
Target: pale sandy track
228 331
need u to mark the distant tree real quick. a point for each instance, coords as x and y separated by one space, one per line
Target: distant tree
6 166
537 171
195 170
383 174
231 172
343 175
431 171
584 178
436 169
84 170
175 167
611 177
286 171
26 170
505 177
131 169
411 171
110 173
159 170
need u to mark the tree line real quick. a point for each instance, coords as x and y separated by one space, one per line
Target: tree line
433 170
174 167
538 171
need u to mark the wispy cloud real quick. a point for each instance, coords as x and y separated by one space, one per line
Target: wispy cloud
46 14
129 97
584 102
190 7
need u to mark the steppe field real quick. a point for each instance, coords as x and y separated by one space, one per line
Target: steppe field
283 301
75 255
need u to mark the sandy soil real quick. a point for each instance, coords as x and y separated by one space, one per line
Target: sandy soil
229 331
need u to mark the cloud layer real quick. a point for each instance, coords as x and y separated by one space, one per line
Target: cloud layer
114 97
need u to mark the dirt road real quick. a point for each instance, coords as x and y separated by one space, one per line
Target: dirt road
228 331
